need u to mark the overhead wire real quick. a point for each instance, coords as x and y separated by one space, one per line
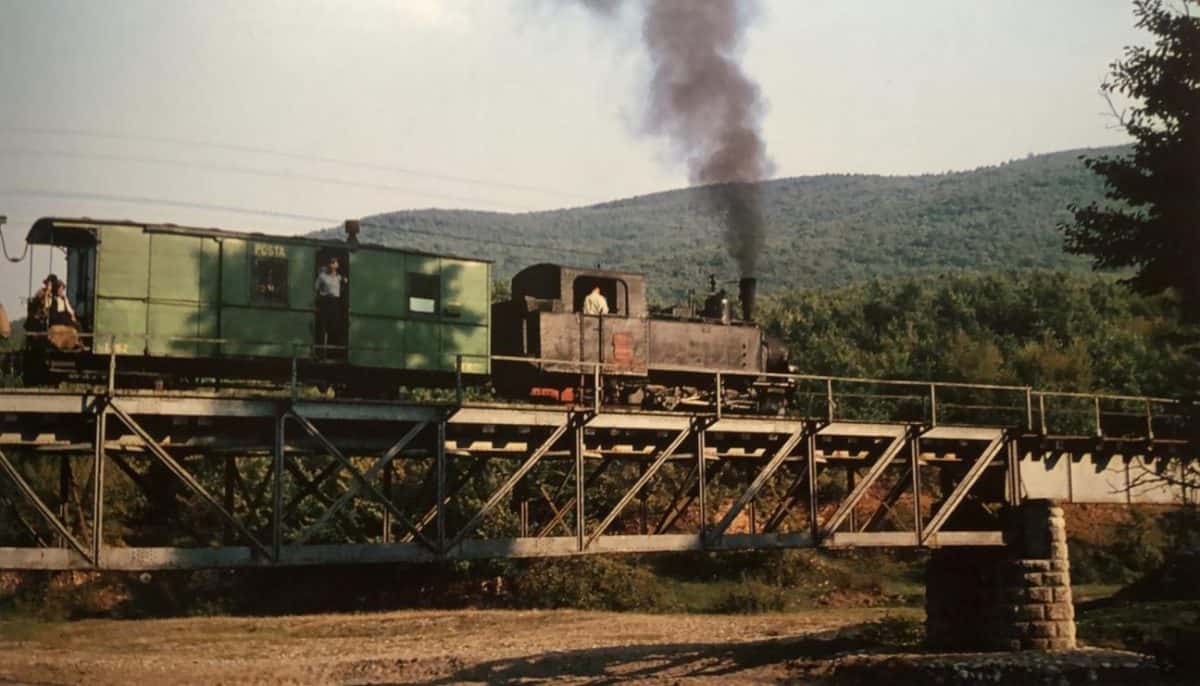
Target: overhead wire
287 154
291 216
237 169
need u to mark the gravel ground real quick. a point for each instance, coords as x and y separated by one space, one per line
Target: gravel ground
490 646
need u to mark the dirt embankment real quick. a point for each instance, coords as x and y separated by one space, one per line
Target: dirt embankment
489 646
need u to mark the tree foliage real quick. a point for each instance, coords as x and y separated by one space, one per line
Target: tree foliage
1151 221
1050 330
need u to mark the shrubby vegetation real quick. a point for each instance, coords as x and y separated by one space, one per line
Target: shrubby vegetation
1050 330
589 583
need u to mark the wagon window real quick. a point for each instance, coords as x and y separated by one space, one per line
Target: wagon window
270 275
424 292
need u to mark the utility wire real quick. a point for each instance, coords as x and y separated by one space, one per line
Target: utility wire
237 169
291 216
84 133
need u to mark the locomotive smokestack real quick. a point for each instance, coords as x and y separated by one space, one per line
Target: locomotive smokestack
747 287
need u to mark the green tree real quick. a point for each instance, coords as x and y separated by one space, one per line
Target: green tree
1151 221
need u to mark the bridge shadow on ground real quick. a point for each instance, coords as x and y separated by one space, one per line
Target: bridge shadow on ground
788 658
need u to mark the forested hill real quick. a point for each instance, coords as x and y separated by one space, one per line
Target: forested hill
822 230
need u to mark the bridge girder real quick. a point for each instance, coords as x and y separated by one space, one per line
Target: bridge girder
237 485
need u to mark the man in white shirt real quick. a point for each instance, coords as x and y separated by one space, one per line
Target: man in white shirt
595 303
330 322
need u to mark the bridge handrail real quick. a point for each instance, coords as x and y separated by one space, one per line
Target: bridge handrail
1033 398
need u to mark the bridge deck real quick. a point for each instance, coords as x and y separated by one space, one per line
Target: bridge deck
163 480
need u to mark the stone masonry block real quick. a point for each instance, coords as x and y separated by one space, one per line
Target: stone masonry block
1060 644
1062 594
1059 551
1039 595
1035 578
1034 611
1059 611
1043 629
1033 565
1055 579
1063 565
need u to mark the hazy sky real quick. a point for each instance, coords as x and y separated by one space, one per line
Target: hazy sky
505 105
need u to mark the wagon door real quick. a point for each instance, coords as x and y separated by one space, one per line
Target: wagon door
378 308
122 290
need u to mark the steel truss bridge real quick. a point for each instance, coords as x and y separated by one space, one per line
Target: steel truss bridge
125 480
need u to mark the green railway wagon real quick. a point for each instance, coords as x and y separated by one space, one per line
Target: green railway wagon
171 301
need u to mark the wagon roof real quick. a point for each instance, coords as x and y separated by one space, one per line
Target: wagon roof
48 229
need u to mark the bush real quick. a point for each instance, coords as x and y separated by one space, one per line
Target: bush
752 596
589 583
1092 564
893 632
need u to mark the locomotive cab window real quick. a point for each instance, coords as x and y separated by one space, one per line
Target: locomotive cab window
269 275
424 293
615 292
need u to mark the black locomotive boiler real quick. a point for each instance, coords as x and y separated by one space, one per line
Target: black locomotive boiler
659 361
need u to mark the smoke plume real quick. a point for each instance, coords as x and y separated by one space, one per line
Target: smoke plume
704 103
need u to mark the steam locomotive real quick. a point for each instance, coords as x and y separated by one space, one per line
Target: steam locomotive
661 360
181 306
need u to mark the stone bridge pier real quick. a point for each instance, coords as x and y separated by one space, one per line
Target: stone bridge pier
1016 597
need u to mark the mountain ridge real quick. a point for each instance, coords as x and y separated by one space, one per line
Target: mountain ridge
822 230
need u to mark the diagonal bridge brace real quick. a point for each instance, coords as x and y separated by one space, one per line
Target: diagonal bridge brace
860 489
39 505
667 452
516 476
962 488
561 514
185 476
460 481
361 481
888 504
791 496
764 475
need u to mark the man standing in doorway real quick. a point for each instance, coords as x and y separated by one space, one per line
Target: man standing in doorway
331 334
